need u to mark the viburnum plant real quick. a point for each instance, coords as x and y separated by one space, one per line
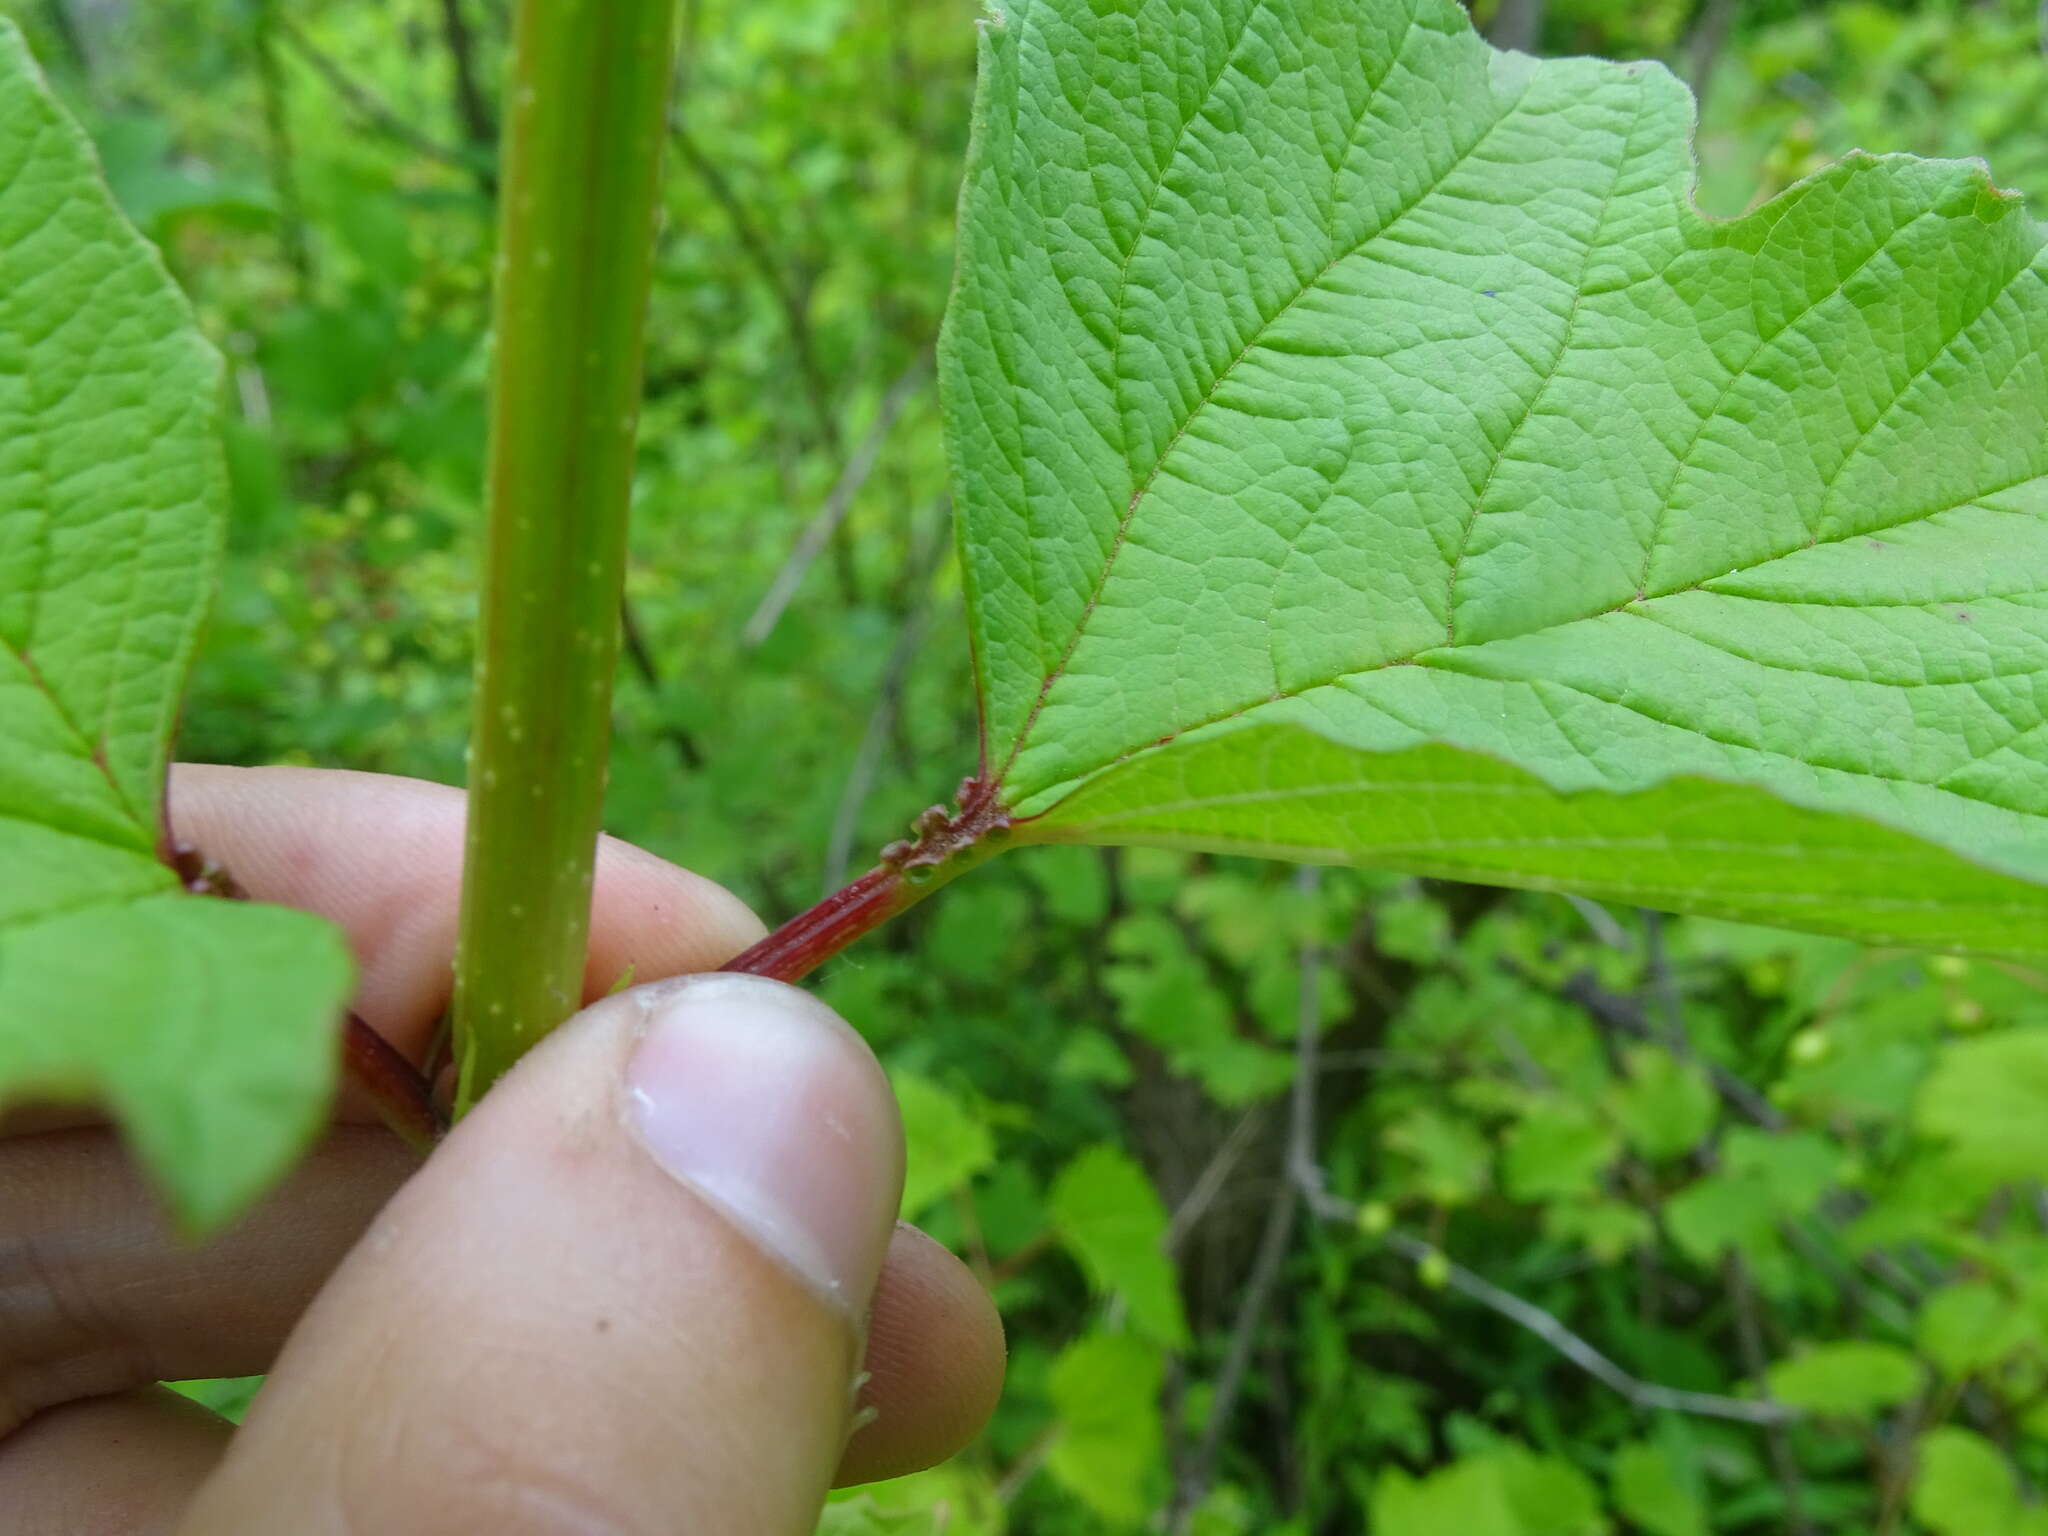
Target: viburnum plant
1363 451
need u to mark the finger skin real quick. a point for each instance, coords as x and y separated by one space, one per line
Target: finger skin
547 1332
934 1363
124 1465
103 1297
382 857
100 1296
109 1300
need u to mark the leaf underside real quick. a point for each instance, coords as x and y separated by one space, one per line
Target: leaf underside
1366 452
207 1025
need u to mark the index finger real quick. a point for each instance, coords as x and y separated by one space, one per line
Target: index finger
382 857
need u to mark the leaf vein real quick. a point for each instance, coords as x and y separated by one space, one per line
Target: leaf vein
1763 344
1258 336
1550 374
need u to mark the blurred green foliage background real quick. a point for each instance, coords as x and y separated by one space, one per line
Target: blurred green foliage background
1800 1178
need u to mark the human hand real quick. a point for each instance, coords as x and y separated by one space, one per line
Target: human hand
626 1294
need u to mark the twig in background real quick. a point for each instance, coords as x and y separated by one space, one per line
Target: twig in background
1601 921
1193 1482
1709 40
1210 1181
689 22
1251 1312
1664 987
795 313
867 758
373 109
1517 24
1547 1327
811 543
973 1239
1674 1036
472 108
1515 1051
279 150
649 673
1029 1460
1749 1339
1309 1178
1624 1016
1552 1331
68 32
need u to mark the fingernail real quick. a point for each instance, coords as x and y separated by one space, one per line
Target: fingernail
771 1108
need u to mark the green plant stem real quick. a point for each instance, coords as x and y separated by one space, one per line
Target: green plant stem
584 127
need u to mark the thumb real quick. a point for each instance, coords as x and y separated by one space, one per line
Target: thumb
626 1294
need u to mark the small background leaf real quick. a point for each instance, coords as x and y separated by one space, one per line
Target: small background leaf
1664 1106
1850 1379
1109 1216
1988 1099
1651 1489
1965 1488
1105 1389
945 1144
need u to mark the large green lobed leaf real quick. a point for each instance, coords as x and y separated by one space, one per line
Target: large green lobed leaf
208 1025
1365 451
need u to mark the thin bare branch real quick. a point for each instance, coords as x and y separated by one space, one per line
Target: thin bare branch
1209 1183
1025 1467
1274 1241
796 317
641 657
279 150
1545 1326
1471 1285
375 112
1749 1339
1552 1331
1308 1042
1517 24
1601 921
867 758
1708 42
1664 987
852 478
1526 1315
1624 1016
472 107
689 24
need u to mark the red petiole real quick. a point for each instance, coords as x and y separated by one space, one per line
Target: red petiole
944 847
